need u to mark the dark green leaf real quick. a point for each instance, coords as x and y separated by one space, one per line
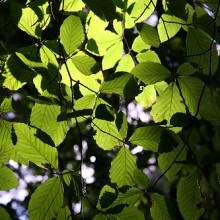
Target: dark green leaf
149 34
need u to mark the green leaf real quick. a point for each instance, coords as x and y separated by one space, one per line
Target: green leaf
107 135
85 64
154 138
122 168
189 197
168 103
42 9
6 105
130 197
126 64
64 213
86 102
32 148
46 200
44 117
26 19
149 34
162 208
160 87
210 111
169 29
103 9
147 97
138 11
71 34
112 55
8 179
5 140
31 62
150 72
4 215
139 45
141 179
130 212
6 147
72 5
191 88
101 40
48 57
148 55
167 158
91 82
15 73
120 83
198 50
118 27
186 69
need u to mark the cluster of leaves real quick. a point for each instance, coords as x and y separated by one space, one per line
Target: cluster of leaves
101 56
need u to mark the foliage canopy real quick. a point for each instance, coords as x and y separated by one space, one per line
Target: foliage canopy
72 71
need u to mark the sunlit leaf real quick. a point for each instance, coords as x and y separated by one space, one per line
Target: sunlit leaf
148 55
8 179
15 73
107 135
120 83
46 200
141 179
198 50
147 97
168 27
126 64
122 168
71 5
44 117
150 72
168 103
85 64
27 20
112 55
71 34
32 148
154 138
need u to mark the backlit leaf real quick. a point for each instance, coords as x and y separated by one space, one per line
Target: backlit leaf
122 168
149 35
150 72
8 179
162 208
168 103
46 200
71 34
44 117
32 148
